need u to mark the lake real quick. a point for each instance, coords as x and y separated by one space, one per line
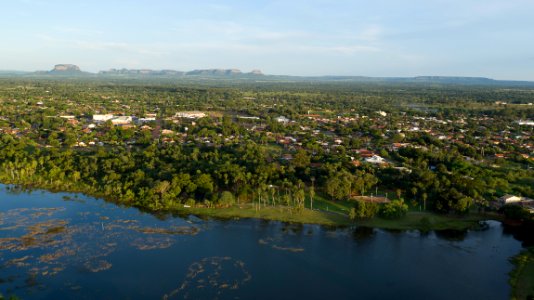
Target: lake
71 246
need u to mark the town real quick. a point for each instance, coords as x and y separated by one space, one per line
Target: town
385 149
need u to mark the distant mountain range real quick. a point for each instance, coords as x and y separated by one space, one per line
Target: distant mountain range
70 70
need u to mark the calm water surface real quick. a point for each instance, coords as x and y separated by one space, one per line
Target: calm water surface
67 246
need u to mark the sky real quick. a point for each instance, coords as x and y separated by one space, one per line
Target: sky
383 38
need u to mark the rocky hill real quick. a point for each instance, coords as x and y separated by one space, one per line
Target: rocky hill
66 69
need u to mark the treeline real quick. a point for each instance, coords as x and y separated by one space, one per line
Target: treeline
164 176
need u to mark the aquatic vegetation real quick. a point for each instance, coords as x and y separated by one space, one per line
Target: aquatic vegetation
35 242
97 265
274 243
211 278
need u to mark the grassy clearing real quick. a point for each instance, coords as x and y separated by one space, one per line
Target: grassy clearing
278 213
522 277
321 203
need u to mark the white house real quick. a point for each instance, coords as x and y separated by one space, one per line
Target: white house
122 120
382 113
375 159
102 118
282 119
527 122
145 120
190 114
508 199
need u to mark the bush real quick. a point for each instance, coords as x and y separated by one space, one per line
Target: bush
364 210
394 210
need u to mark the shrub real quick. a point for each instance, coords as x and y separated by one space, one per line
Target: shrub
364 210
394 210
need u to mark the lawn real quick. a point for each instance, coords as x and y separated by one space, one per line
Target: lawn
278 213
337 215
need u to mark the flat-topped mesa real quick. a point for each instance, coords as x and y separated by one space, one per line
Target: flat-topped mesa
66 68
256 72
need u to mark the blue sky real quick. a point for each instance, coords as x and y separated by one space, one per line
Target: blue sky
491 38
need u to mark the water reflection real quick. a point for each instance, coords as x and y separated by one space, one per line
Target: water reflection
361 234
452 235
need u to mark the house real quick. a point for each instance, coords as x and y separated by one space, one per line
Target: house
509 199
524 202
73 122
145 120
167 132
102 118
365 153
382 113
122 120
375 159
355 163
526 122
282 119
190 114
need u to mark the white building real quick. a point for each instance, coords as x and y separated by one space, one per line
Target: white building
375 159
102 118
122 120
508 199
282 119
526 122
382 113
145 120
190 114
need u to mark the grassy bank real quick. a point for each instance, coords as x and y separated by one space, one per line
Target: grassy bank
426 221
522 277
423 221
325 212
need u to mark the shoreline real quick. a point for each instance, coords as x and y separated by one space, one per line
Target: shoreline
414 220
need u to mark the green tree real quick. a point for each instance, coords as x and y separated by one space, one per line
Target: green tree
226 199
394 210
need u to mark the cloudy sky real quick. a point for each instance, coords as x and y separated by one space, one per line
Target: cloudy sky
490 38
